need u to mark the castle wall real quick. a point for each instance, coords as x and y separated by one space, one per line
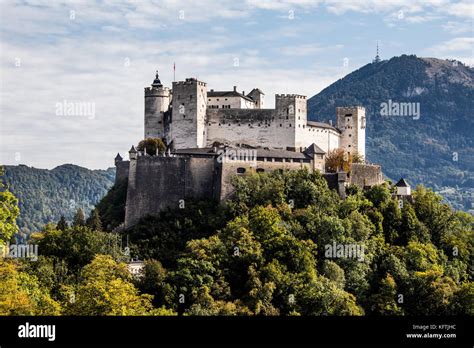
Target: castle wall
326 138
157 183
230 169
255 127
365 175
121 171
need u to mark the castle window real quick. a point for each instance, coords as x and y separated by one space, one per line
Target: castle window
209 100
280 125
349 146
250 125
190 97
290 124
241 170
350 135
217 99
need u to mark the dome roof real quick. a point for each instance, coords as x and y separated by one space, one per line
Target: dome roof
156 81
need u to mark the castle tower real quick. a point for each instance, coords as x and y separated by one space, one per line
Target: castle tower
157 101
291 114
351 122
258 96
188 123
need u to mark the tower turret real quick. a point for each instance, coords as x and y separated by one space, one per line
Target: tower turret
157 101
132 153
118 159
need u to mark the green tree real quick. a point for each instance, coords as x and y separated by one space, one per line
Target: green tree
62 224
21 294
9 212
106 289
79 218
385 300
152 145
94 221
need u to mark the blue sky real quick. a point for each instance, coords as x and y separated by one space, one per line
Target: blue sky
105 52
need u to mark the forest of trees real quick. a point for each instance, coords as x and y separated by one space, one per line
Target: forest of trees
262 253
46 195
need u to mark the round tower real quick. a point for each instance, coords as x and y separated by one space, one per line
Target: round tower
157 101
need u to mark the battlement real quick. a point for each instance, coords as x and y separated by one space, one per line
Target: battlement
349 108
157 92
290 96
188 82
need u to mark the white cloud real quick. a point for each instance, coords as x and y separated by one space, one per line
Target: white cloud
458 27
84 59
461 48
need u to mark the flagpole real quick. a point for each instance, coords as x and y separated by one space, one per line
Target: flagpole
174 72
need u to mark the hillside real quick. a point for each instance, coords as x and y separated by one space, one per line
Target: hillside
44 195
437 148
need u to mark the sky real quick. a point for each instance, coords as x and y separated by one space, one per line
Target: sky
73 72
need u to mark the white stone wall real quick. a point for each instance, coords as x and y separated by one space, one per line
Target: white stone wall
229 103
327 139
188 128
351 121
157 102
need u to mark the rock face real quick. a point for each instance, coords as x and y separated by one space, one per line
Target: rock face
436 148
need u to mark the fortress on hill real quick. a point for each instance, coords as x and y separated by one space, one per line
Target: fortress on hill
213 135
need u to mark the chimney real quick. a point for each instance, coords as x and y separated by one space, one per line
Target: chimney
243 92
330 122
235 88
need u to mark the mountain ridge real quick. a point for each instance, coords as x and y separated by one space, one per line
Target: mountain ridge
437 149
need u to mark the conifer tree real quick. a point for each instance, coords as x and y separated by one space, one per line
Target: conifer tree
94 221
79 218
62 224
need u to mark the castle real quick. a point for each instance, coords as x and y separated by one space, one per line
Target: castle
214 135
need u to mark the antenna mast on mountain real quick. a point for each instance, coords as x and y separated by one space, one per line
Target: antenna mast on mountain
377 57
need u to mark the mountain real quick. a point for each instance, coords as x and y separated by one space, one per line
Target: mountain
434 148
44 195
